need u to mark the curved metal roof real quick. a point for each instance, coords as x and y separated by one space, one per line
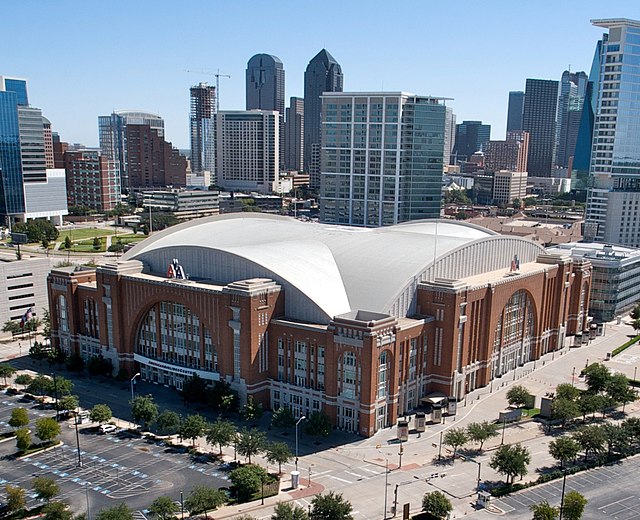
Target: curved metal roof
336 268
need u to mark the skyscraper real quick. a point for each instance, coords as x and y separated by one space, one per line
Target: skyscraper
515 110
613 199
294 135
470 138
113 142
573 88
323 74
539 119
510 154
382 157
449 136
201 121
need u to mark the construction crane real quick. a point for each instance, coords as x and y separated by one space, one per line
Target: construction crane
217 76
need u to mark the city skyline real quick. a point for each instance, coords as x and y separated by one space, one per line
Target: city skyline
441 65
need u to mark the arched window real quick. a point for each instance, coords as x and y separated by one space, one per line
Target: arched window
514 334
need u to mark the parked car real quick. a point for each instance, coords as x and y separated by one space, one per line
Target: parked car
108 428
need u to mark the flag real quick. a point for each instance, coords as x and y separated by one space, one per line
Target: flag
26 317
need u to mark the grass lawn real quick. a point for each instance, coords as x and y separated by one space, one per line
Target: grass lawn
84 233
128 239
86 246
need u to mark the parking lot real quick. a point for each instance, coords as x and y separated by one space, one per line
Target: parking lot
115 467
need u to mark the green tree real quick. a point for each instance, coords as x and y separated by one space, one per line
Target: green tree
6 370
203 499
283 418
616 438
518 395
636 324
168 422
591 439
589 403
618 389
193 427
635 312
100 413
436 504
252 410
597 377
564 449
67 242
119 512
481 432
16 499
317 423
163 508
247 480
23 439
68 402
194 389
567 391
250 442
45 488
511 460
544 511
97 244
11 326
573 506
40 385
144 410
19 418
330 506
278 452
63 386
23 379
44 244
221 433
564 410
456 438
37 353
57 511
288 511
47 429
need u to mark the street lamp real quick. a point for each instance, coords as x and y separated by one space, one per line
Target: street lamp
386 481
78 441
564 482
181 504
297 423
132 381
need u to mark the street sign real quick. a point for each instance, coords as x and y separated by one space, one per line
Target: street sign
19 238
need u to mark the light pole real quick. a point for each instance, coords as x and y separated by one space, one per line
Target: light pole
132 381
440 447
386 481
504 426
78 443
573 377
86 493
182 504
635 371
297 424
564 482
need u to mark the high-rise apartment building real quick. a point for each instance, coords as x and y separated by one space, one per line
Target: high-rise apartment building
59 147
470 138
201 126
539 119
48 143
323 74
382 157
113 137
613 200
449 136
515 111
92 180
294 135
247 150
573 87
510 154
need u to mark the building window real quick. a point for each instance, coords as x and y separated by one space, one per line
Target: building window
349 375
63 317
383 375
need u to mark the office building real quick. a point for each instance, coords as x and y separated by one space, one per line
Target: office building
93 180
48 144
323 74
248 150
539 120
59 147
449 136
201 126
112 132
294 135
573 87
470 138
382 157
510 154
265 83
184 204
364 326
613 198
515 111
509 186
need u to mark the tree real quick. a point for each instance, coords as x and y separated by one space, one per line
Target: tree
168 422
597 377
164 508
617 389
100 366
203 499
250 442
100 413
288 511
6 370
119 512
57 511
23 439
97 244
144 410
518 396
636 324
616 438
45 488
635 312
68 402
564 449
481 432
40 385
23 379
247 480
16 499
19 418
544 511
193 427
44 244
589 403
567 391
194 389
252 410
11 326
564 410
317 423
283 418
75 363
591 439
330 506
278 452
573 506
456 438
511 460
221 433
47 429
67 242
37 352
436 504
62 385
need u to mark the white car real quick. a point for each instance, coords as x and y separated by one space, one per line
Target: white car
108 428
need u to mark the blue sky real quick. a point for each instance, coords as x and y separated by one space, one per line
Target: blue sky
86 58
